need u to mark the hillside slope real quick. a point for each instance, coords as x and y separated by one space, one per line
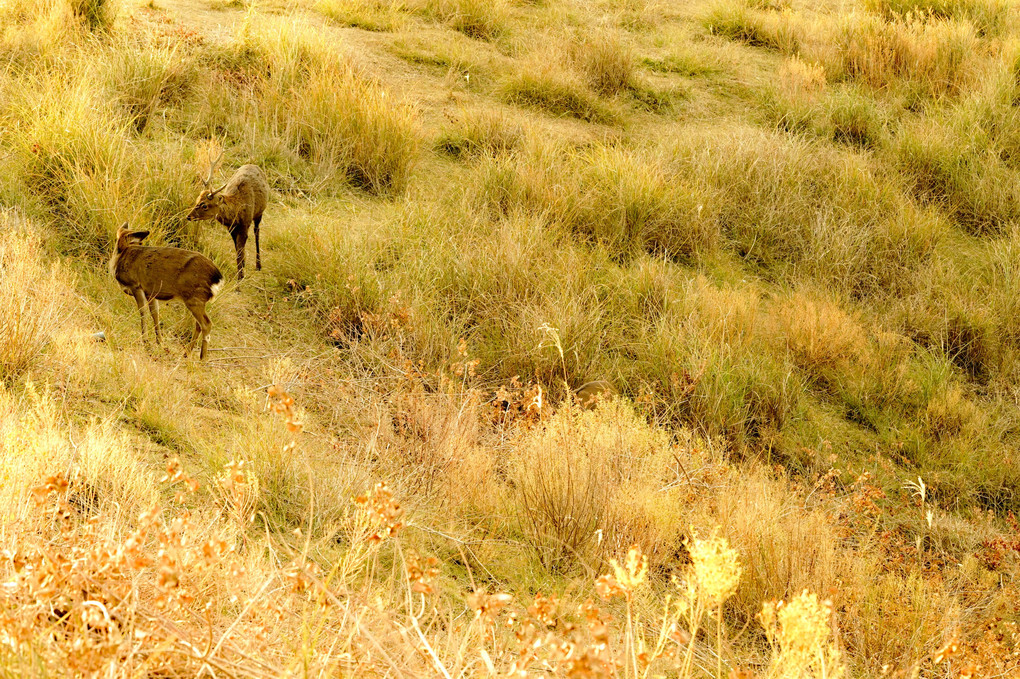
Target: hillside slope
785 232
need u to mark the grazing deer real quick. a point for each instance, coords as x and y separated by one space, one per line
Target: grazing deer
237 205
150 274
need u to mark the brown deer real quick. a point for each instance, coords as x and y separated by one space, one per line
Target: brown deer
150 274
237 205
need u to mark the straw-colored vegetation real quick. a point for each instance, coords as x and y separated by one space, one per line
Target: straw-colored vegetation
786 232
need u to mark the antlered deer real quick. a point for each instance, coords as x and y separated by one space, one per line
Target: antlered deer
237 205
150 274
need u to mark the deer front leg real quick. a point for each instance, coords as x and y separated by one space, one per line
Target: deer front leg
154 311
240 236
140 301
258 252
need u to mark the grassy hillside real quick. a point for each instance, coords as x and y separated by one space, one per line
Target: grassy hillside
787 233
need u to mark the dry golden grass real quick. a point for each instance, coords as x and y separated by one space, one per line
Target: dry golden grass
798 276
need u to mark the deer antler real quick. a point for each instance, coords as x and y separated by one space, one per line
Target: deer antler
212 169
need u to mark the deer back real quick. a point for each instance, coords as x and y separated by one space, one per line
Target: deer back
166 273
244 195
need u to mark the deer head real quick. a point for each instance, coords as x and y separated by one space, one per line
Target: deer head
209 201
126 237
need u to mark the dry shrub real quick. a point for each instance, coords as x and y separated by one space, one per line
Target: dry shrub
784 546
822 339
33 310
582 486
795 103
938 58
432 438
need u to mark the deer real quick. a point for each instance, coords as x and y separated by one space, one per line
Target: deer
238 205
154 274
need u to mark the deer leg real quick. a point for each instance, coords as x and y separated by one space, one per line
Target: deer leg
258 253
194 337
204 325
240 236
154 312
140 301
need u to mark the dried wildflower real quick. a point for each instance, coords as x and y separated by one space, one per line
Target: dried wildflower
175 475
240 490
487 605
716 568
384 510
544 609
800 629
283 405
421 573
948 650
634 570
607 587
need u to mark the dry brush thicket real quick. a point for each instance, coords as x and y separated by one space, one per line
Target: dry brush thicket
784 232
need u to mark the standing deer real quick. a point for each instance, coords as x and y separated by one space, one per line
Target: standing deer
150 274
237 205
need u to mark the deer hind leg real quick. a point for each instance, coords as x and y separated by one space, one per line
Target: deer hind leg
258 252
240 236
203 326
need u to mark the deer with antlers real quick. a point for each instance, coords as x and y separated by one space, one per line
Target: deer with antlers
151 274
237 205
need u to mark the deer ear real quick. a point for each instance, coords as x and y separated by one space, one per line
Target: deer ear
138 236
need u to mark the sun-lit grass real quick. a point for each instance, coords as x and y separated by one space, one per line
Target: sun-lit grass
781 235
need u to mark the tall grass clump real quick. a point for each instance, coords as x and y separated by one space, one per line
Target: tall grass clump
792 206
606 63
544 84
578 484
482 132
951 170
479 19
378 15
95 15
989 16
33 308
934 59
772 30
72 156
736 391
146 78
620 199
338 121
